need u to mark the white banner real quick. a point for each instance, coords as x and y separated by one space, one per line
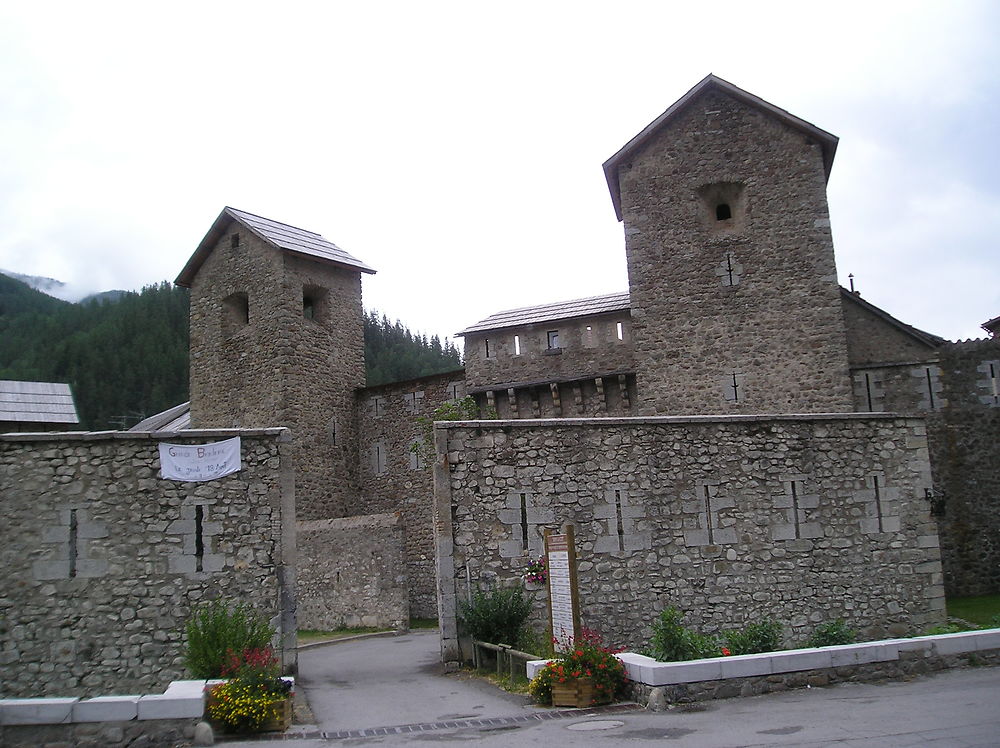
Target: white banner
200 462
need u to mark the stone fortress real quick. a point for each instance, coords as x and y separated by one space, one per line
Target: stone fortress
733 309
735 435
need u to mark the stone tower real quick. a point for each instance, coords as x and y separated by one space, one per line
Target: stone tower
277 339
734 295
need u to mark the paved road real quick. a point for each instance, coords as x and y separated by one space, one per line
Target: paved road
391 682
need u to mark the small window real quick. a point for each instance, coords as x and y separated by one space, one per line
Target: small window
486 345
234 241
723 212
314 303
517 345
588 336
620 330
235 313
553 338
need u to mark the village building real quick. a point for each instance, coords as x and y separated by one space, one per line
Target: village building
36 406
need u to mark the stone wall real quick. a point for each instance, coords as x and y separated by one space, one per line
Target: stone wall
104 560
352 572
258 360
804 519
965 454
872 340
740 314
397 478
587 346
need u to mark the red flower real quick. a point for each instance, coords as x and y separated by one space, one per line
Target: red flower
725 652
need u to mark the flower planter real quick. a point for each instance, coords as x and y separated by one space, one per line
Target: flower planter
577 692
279 721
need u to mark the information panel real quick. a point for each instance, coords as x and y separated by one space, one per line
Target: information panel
564 611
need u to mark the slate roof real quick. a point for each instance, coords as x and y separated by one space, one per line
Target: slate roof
37 402
281 235
928 339
176 418
531 315
825 139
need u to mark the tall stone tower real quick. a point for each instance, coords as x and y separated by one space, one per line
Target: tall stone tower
277 339
734 295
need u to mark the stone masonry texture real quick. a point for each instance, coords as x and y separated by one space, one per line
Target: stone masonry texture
104 560
699 513
277 367
754 296
395 472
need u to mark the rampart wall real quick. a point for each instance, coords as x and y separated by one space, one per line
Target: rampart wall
799 518
104 560
353 572
395 471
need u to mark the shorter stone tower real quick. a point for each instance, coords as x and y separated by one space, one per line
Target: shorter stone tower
277 339
734 297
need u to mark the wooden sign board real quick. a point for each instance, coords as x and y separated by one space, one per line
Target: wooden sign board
564 602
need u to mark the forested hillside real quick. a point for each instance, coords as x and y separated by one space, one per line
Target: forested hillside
127 357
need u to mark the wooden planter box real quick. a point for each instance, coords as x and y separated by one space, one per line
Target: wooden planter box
578 692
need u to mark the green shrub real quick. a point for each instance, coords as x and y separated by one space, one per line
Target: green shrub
215 629
496 615
764 636
672 642
832 633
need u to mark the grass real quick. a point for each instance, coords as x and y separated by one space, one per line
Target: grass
979 610
423 623
312 635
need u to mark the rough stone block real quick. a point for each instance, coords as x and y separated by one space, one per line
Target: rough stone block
44 570
36 711
695 537
179 564
782 532
534 667
187 687
167 706
106 709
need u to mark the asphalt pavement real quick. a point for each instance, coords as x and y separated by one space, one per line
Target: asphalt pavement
390 692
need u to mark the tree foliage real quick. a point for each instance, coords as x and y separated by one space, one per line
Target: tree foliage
125 354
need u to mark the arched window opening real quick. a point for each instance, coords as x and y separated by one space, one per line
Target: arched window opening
723 212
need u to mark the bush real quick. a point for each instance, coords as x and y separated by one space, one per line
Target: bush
832 633
497 615
215 630
249 699
672 642
764 636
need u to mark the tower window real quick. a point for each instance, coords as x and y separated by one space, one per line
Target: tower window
553 338
517 345
314 303
723 212
235 313
234 241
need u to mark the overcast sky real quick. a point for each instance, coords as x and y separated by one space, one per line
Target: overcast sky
457 147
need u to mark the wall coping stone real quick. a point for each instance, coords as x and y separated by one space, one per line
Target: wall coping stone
283 434
390 519
667 420
183 699
650 672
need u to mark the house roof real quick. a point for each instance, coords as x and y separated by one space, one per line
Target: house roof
177 418
36 402
530 315
280 235
992 326
926 338
712 82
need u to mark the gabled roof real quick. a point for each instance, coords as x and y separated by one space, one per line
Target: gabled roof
36 402
279 235
710 82
530 315
176 418
932 341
